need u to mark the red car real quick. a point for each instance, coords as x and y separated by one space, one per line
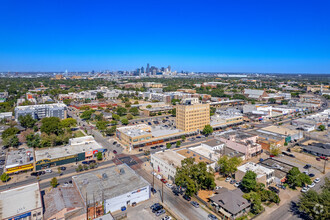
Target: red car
163 180
114 151
323 157
272 156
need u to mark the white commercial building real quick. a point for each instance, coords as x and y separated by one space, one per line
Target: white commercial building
114 187
264 175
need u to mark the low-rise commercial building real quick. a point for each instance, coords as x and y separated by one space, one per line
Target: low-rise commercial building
19 160
111 189
156 110
242 142
23 202
264 175
77 150
64 203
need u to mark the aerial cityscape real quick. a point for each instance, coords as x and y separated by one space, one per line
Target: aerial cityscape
165 110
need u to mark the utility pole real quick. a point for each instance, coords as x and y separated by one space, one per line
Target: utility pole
325 162
153 178
162 191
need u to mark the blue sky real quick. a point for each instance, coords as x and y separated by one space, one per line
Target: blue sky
223 36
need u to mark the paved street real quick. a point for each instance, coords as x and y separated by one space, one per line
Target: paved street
289 210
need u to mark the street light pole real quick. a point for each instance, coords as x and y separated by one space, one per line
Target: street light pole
162 191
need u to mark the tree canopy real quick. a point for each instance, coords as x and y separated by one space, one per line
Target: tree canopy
249 181
51 125
27 121
207 130
296 178
228 166
194 176
121 111
134 111
9 132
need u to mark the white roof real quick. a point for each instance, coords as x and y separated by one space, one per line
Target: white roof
19 200
257 168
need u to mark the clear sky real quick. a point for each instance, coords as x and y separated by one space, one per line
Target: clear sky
220 35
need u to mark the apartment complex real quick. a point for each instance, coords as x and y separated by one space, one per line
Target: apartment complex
42 111
192 115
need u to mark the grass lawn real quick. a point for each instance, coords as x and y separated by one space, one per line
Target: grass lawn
78 134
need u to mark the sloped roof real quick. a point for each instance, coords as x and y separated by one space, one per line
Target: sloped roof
230 200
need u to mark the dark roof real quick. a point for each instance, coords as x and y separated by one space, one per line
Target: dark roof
230 200
319 148
213 142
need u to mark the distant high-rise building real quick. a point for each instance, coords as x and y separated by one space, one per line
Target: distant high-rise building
142 69
148 68
169 68
162 69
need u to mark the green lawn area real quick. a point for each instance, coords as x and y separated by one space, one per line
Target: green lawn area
78 134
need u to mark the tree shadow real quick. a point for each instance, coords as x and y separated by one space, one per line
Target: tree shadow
294 208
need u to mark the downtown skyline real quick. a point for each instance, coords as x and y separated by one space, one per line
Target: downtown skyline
211 36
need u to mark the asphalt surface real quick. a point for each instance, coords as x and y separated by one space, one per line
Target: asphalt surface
289 211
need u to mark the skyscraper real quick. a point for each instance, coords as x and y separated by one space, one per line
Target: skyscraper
169 68
142 69
148 68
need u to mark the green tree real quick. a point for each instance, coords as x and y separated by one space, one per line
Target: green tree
316 205
159 113
53 182
99 156
11 141
321 127
284 102
124 121
207 130
67 101
115 117
183 138
148 106
194 176
101 125
111 131
113 122
127 104
68 123
272 100
51 125
9 132
129 116
87 114
134 111
5 177
228 166
99 95
173 112
136 102
27 121
249 181
168 145
121 111
178 143
212 111
255 200
274 150
33 140
296 178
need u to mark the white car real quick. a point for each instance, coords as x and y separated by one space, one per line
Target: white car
228 179
317 180
169 185
159 176
65 184
48 171
237 184
304 189
167 218
311 185
218 187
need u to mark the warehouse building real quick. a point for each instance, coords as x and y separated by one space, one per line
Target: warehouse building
111 189
78 149
22 203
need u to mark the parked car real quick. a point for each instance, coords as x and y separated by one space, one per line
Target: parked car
307 166
186 197
157 208
114 143
311 175
228 179
212 217
169 185
317 180
153 190
167 218
159 176
163 180
66 184
160 212
63 168
318 159
175 192
195 204
154 205
35 174
272 188
218 187
311 185
48 170
237 184
232 181
304 189
114 151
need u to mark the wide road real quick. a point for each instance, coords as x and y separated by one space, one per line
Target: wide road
176 204
289 211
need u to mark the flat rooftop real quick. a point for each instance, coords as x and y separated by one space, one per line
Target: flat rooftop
170 157
108 183
68 150
16 201
54 105
206 152
239 135
135 130
19 157
158 131
257 168
279 130
192 154
213 142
